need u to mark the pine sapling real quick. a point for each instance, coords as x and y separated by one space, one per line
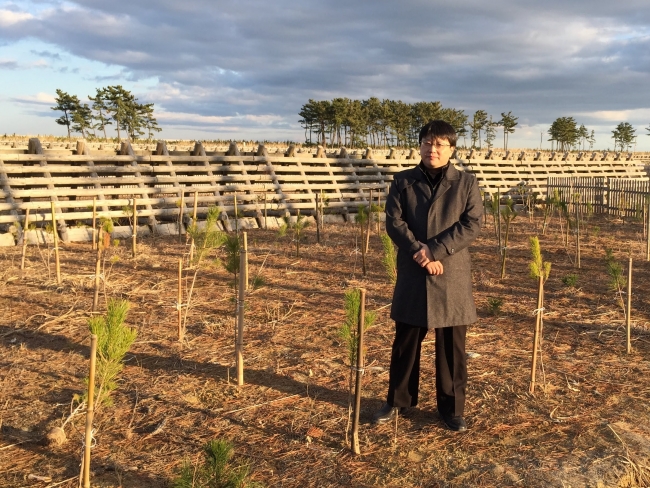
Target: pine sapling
348 333
114 339
297 226
389 258
617 280
215 470
540 270
508 216
206 239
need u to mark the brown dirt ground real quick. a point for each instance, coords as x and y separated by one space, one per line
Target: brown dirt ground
586 425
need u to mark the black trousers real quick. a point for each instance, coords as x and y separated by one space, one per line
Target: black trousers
451 367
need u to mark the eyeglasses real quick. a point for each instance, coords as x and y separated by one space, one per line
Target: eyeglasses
437 145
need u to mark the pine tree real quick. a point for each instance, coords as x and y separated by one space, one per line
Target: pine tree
68 104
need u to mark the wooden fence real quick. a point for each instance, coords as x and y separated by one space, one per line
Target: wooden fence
264 184
613 196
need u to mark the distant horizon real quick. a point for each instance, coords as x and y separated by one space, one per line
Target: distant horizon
64 139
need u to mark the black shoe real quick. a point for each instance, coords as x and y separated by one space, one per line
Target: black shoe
457 423
387 413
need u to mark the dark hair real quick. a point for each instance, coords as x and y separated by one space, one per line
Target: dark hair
439 129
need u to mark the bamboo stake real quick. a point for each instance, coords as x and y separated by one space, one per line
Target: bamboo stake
538 324
22 260
629 306
90 411
367 244
378 216
246 260
98 270
317 219
94 223
236 218
357 387
180 217
647 243
56 245
179 302
498 216
194 224
135 227
265 224
239 344
322 218
577 235
363 248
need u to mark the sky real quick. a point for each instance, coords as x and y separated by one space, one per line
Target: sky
242 69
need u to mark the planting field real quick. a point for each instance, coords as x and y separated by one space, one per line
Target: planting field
586 425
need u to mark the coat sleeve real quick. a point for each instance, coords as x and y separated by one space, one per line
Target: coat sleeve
461 234
396 226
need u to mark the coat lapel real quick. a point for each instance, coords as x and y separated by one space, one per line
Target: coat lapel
450 175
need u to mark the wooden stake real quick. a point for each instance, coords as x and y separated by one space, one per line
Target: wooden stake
26 226
378 215
194 224
239 343
135 227
245 250
90 411
265 225
179 301
56 245
629 306
538 326
498 216
94 223
98 270
357 387
322 217
317 219
577 235
236 218
647 244
367 244
363 248
180 217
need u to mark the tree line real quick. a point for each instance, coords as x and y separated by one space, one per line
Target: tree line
564 131
374 122
111 105
358 123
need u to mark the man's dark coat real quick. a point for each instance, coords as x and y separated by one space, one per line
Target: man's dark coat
447 221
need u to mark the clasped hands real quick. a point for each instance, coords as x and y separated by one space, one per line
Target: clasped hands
425 259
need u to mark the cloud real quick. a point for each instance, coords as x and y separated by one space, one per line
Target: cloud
47 54
10 18
249 58
639 114
38 99
8 64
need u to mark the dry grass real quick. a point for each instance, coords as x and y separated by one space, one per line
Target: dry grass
587 425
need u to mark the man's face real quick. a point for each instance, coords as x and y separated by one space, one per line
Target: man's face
435 152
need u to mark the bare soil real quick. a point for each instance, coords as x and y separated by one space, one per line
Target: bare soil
586 425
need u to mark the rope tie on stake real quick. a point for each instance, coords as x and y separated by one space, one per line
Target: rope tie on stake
537 310
355 369
93 440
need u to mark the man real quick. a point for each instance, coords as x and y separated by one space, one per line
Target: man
433 213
